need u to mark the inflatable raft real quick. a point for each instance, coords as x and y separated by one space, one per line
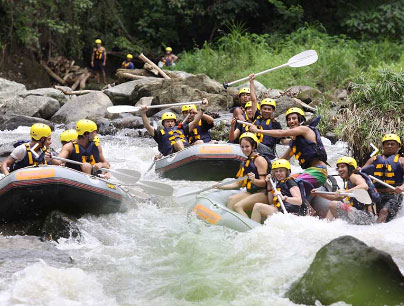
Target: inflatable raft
204 162
33 191
211 207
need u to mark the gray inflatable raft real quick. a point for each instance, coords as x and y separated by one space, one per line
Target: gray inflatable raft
33 191
204 162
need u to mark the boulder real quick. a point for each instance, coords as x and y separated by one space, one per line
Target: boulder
120 94
60 225
295 90
283 104
259 88
10 90
348 270
204 83
310 95
33 106
129 122
272 94
341 94
48 92
91 106
13 121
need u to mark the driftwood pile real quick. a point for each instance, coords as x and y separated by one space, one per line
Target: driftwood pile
66 73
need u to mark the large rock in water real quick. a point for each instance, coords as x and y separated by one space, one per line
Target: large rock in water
346 269
90 106
34 106
13 121
9 90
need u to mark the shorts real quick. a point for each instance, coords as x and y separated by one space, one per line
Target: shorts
98 65
392 202
314 176
354 216
290 208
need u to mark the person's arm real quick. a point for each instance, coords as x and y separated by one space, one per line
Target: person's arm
105 57
297 131
358 181
174 57
400 189
198 116
6 164
331 197
92 58
262 169
238 113
64 153
287 155
369 162
103 162
146 122
208 119
232 134
296 198
253 94
235 185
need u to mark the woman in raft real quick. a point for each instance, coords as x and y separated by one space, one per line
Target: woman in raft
286 185
256 167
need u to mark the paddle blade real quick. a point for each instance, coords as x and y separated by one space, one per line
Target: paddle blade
304 58
126 175
362 196
117 109
159 189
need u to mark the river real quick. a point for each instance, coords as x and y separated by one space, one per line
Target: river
156 255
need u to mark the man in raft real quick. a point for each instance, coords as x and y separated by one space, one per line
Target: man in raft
350 209
199 134
388 167
286 185
84 149
171 138
32 153
306 146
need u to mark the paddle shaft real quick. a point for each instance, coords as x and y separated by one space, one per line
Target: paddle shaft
244 122
80 163
360 194
279 195
258 74
173 104
345 194
383 183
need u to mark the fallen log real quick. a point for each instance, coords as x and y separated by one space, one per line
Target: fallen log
304 105
52 74
141 72
146 60
84 79
74 92
124 75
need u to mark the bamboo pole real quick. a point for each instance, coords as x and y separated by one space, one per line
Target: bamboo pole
146 60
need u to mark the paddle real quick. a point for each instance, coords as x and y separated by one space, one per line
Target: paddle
116 109
214 187
124 175
360 194
278 194
155 188
304 58
383 183
244 122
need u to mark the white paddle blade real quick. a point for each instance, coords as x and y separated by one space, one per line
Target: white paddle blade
304 58
156 188
117 109
362 196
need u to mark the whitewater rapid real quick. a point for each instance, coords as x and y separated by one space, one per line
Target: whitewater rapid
156 255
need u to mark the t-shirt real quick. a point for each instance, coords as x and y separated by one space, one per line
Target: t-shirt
19 152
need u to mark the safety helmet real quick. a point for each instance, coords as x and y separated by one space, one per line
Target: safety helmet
248 104
98 41
68 135
295 110
168 116
130 56
269 102
39 130
281 163
391 137
169 49
85 125
186 108
250 135
347 160
244 90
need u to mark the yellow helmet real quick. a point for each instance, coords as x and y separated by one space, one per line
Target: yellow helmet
248 104
39 130
244 90
269 102
295 110
391 137
96 140
281 163
186 108
98 41
168 116
68 135
85 125
169 49
250 135
130 56
347 160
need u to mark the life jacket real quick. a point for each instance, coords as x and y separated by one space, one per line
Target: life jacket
305 150
99 54
20 142
265 124
283 187
257 115
388 170
30 159
90 155
374 195
126 65
169 137
248 166
167 61
200 132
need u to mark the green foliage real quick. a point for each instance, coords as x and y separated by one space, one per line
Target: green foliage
383 21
